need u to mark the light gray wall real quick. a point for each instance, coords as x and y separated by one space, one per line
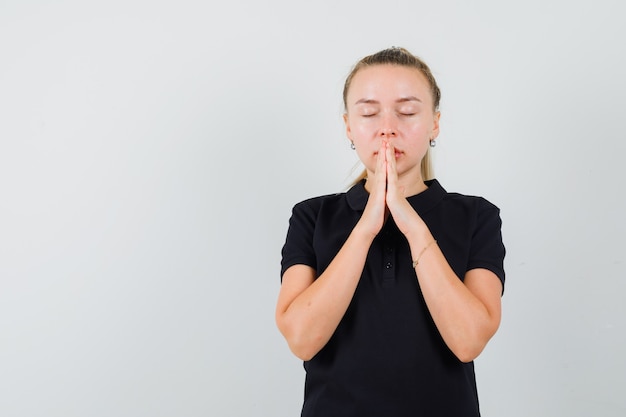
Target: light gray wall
150 154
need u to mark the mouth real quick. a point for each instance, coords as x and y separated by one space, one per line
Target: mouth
397 154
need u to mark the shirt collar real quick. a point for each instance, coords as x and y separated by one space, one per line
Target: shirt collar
357 196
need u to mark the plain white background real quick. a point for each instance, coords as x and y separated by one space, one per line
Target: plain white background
151 151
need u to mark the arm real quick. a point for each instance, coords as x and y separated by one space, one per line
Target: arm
309 310
467 313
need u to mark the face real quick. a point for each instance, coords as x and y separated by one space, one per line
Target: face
394 103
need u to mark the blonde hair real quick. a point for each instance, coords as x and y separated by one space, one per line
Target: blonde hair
401 57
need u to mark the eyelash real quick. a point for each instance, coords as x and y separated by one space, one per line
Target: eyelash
401 114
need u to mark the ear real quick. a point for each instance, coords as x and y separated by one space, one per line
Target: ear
346 122
436 125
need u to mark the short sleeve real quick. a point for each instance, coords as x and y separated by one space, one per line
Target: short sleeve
298 247
487 249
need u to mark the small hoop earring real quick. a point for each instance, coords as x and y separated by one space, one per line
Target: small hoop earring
352 145
433 143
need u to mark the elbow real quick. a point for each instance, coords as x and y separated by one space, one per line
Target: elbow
299 341
303 343
302 352
302 347
468 348
467 354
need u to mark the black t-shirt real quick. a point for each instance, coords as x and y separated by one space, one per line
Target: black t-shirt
386 357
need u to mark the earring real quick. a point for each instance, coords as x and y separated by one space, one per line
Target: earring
433 143
352 145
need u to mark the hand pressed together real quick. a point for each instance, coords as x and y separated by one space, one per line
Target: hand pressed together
387 197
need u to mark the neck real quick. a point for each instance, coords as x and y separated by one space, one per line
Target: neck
412 186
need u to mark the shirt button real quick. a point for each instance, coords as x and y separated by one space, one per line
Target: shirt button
389 265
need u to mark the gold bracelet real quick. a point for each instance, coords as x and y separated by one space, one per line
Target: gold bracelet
415 262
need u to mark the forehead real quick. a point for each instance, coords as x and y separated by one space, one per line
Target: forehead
381 81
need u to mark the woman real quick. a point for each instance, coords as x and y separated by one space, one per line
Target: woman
390 290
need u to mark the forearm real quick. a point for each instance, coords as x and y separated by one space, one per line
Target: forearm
309 321
465 322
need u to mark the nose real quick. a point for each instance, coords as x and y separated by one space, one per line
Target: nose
388 127
387 133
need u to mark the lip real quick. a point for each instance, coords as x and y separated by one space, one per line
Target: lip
398 153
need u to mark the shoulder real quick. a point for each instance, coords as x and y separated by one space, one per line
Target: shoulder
438 199
313 201
474 201
309 218
314 204
477 220
466 200
468 209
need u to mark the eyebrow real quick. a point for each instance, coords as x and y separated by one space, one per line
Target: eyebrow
400 100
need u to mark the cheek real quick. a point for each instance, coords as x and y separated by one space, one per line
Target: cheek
419 130
361 132
362 125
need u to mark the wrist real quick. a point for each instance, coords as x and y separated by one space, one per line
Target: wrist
363 233
424 249
418 240
419 233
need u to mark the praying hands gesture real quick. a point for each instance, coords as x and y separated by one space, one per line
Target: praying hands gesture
387 198
362 268
390 104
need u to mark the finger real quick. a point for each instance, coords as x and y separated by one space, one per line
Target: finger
392 173
375 208
391 155
381 167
